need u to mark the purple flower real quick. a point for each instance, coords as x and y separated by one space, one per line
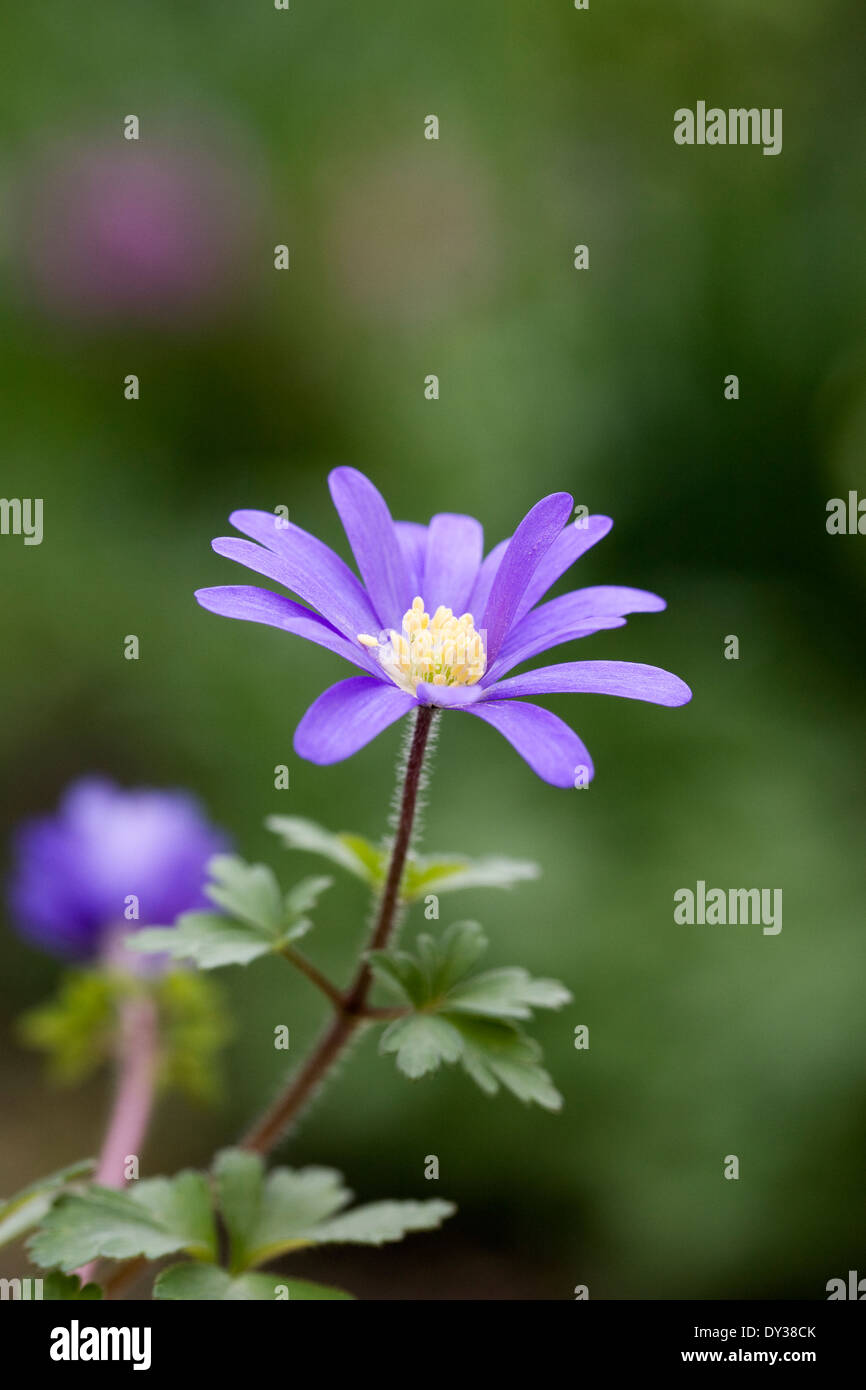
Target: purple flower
384 625
74 872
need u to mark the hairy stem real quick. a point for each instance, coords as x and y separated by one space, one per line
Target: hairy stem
314 975
351 1009
351 1005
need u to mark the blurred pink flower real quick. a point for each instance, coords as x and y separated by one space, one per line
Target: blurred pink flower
154 231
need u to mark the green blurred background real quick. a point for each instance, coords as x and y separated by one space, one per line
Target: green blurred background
410 257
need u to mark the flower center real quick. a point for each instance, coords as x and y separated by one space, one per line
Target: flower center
442 650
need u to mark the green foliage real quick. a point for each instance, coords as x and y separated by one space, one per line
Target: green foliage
424 873
258 918
27 1208
76 1028
205 1282
67 1288
457 1016
155 1217
289 1209
193 1029
350 852
264 1215
448 873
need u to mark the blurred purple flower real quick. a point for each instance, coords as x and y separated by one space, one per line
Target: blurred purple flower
154 232
74 871
415 650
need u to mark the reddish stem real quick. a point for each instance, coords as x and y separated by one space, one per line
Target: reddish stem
352 1012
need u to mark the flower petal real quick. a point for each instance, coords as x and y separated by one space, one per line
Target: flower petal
530 543
304 565
577 614
348 716
480 591
448 696
569 545
413 543
262 606
630 679
550 747
454 548
543 641
370 531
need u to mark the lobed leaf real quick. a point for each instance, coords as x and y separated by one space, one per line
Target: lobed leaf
249 892
156 1217
424 873
259 919
448 873
381 1222
496 1053
506 993
351 852
27 1208
421 1042
206 939
457 1016
294 1208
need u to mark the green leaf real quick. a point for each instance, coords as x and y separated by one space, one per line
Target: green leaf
421 1042
204 1282
305 895
426 978
240 1187
76 1028
259 921
470 1018
67 1287
442 873
155 1217
27 1208
352 853
437 977
403 973
497 1053
265 1217
249 892
381 1222
462 944
206 939
294 1208
447 873
508 993
373 858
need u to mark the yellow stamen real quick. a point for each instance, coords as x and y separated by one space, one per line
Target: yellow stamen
442 650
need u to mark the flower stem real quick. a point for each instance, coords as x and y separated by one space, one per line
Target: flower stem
137 1052
136 1079
351 1010
351 1005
